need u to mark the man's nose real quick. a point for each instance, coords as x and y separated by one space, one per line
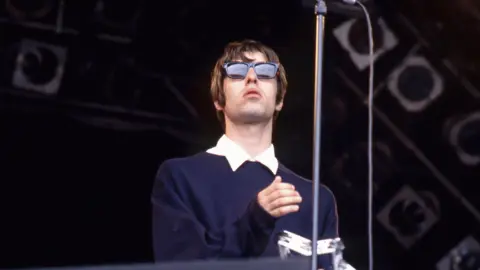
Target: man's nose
251 75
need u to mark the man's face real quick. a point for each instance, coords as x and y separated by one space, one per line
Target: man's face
250 100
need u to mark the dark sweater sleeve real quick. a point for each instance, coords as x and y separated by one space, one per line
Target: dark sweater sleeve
179 235
331 221
330 228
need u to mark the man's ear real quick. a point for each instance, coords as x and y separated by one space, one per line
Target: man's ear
279 106
217 106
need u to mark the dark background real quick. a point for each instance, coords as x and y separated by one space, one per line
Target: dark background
77 166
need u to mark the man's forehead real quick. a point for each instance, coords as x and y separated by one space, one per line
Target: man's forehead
251 57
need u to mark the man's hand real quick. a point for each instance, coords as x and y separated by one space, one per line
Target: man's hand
279 199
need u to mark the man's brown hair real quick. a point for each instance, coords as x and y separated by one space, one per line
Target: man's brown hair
236 50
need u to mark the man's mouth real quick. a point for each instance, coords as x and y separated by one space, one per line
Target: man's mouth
252 92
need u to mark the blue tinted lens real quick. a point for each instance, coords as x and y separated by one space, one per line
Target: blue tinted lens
240 70
265 70
237 70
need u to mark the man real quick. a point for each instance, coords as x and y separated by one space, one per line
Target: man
232 200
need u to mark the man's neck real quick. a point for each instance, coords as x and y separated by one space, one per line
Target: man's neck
253 138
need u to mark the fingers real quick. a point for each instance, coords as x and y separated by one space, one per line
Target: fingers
279 198
279 193
272 186
282 201
276 185
285 210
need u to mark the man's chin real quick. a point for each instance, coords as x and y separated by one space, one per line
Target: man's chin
253 116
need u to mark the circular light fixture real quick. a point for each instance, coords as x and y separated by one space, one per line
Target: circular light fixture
415 84
464 137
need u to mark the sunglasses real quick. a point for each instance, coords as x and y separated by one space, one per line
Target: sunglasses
239 70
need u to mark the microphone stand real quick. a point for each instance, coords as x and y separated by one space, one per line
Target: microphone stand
320 13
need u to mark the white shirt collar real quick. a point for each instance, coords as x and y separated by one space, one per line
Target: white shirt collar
236 156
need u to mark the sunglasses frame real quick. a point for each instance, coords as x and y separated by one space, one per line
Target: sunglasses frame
251 65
